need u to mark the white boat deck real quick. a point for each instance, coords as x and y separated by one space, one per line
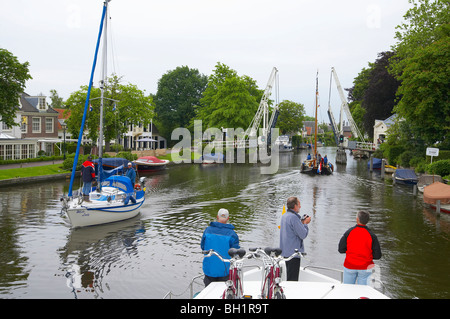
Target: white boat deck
311 285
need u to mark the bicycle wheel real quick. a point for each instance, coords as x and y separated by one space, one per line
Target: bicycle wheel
229 294
278 294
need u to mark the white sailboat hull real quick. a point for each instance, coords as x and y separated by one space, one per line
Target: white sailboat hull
98 212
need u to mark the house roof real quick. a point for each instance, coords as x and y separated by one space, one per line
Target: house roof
30 104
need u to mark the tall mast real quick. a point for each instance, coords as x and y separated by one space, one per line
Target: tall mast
86 104
315 130
102 92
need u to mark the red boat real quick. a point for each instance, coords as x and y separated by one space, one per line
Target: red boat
150 163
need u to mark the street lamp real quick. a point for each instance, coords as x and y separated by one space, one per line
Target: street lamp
64 125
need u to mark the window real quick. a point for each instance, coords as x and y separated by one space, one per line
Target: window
42 103
36 125
2 152
16 151
24 151
49 125
6 127
30 150
24 126
8 152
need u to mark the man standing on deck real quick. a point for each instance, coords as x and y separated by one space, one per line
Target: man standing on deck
88 176
361 246
220 237
131 174
293 230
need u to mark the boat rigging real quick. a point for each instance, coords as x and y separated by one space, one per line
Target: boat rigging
116 197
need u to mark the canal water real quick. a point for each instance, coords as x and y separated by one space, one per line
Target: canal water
159 251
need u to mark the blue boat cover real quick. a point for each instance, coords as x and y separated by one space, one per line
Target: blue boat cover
112 162
376 163
121 182
405 174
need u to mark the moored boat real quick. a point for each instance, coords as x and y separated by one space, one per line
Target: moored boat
437 192
405 176
150 163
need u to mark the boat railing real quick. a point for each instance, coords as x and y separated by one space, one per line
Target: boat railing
374 279
190 287
328 268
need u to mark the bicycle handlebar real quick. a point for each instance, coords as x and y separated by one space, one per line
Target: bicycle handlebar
233 252
276 252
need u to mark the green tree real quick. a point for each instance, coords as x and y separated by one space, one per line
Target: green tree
57 101
290 118
422 65
13 76
229 101
124 105
425 89
178 92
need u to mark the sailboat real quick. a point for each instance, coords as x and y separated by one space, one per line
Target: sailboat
315 165
116 197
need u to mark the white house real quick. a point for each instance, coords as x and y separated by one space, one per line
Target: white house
380 128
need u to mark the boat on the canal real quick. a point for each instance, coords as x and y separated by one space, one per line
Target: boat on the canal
150 164
213 158
115 198
311 285
283 143
405 176
437 192
316 166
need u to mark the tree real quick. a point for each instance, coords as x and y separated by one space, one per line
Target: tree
421 65
425 89
178 92
291 116
380 95
229 101
57 101
124 105
13 76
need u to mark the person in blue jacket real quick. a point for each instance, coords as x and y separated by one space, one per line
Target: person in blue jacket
219 236
131 174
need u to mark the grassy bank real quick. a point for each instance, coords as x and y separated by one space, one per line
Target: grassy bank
32 171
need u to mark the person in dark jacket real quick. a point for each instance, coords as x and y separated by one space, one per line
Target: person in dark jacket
88 176
361 246
220 237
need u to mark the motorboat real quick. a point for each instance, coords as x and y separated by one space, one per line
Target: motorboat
311 285
437 192
283 143
405 176
150 163
213 158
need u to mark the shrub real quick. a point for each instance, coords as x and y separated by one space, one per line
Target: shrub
441 168
405 158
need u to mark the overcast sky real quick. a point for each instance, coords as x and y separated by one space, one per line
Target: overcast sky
150 38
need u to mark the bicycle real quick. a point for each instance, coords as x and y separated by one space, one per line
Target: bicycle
235 287
271 288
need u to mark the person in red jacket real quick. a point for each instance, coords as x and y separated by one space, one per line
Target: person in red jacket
88 176
361 247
